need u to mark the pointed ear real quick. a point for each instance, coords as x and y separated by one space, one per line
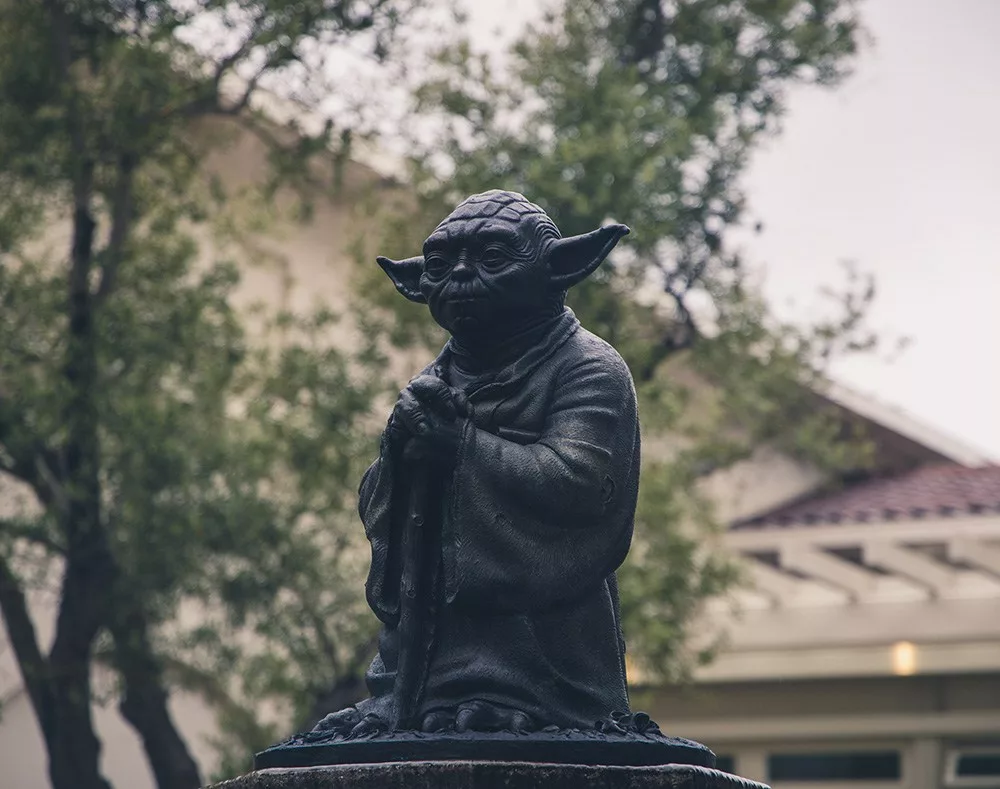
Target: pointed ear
405 275
571 260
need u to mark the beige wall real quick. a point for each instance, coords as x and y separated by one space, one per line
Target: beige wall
761 483
920 716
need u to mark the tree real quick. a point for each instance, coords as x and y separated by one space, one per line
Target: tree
646 112
122 360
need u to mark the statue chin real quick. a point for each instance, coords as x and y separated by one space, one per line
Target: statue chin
467 328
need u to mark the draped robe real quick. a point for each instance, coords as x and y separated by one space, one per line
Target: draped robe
522 543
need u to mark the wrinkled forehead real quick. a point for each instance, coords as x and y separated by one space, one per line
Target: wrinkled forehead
460 232
489 217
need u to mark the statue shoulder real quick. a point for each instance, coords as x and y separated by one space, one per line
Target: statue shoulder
585 352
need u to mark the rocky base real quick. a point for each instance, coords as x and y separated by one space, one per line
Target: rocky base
561 746
488 775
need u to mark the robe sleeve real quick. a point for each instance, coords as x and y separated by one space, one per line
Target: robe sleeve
375 505
532 525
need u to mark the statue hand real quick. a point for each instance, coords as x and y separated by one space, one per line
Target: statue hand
435 394
433 414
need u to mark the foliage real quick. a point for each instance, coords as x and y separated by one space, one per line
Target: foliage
646 112
150 428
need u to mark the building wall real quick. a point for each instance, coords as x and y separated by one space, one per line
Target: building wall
923 718
764 481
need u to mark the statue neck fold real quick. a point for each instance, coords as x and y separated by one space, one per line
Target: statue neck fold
477 355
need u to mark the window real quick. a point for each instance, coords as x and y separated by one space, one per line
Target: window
726 763
973 767
833 766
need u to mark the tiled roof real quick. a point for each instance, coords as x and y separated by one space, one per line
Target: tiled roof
930 491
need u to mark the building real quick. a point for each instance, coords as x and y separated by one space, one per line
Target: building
868 653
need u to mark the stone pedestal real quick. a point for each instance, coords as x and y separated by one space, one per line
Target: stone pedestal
488 775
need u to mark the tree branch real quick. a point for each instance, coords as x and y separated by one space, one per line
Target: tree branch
31 533
34 469
325 643
209 104
121 216
63 53
24 640
144 702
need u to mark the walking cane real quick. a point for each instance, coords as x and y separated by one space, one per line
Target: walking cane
410 668
420 553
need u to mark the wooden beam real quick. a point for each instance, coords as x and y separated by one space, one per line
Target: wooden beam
839 727
934 576
779 587
979 554
836 535
826 663
858 582
796 627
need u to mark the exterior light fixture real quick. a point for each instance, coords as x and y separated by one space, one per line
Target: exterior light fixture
904 658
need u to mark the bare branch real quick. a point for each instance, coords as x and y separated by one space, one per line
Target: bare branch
24 640
244 100
31 532
62 50
209 104
121 217
323 637
362 654
35 469
144 703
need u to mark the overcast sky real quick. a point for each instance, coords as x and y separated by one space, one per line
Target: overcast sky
897 170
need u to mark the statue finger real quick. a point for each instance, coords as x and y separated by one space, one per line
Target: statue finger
435 393
428 384
411 413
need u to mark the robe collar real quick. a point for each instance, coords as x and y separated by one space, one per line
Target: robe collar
559 331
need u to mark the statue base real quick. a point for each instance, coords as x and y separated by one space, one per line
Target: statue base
621 748
488 775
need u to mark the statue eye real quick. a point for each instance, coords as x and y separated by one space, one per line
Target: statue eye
493 257
436 265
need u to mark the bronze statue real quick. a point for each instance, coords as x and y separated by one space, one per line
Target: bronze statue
500 506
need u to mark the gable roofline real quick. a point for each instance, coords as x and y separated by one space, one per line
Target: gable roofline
945 490
904 424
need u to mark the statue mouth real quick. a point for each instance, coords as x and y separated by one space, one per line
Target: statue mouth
465 304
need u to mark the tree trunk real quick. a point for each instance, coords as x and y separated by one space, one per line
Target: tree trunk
24 641
91 572
74 750
144 704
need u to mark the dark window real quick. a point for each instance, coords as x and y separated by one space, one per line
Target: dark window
859 765
978 765
725 763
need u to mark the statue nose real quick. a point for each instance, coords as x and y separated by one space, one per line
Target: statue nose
462 269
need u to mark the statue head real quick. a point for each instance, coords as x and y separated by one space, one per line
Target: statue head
496 264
